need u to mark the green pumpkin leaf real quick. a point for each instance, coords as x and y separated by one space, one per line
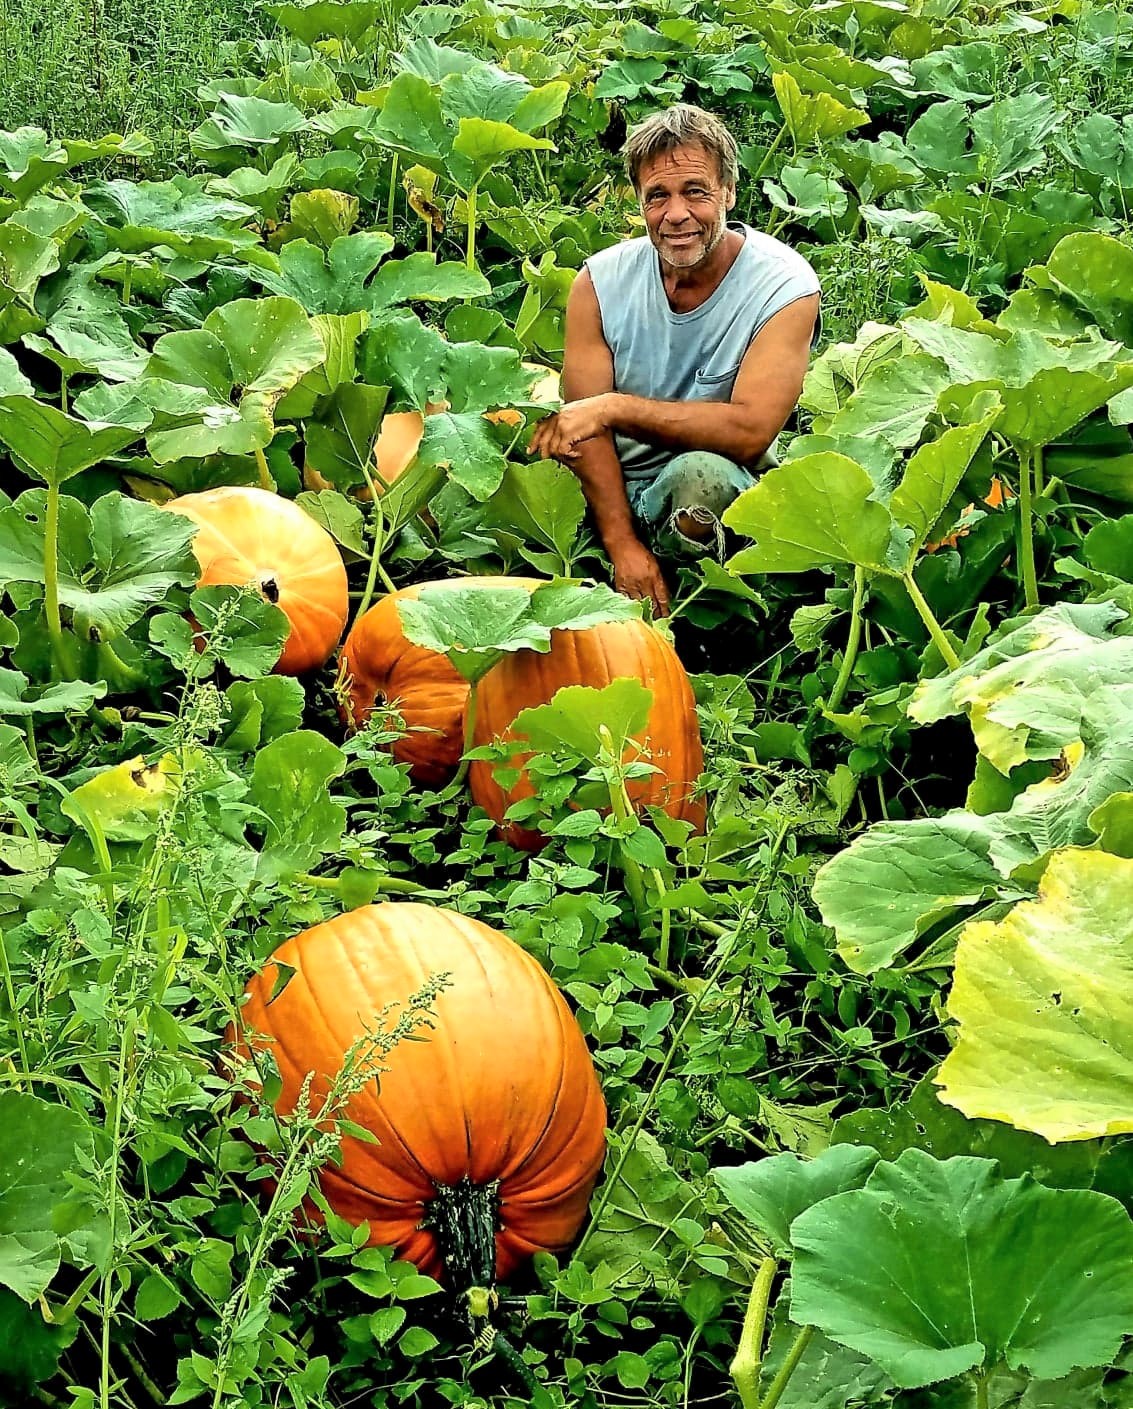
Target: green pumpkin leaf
813 117
934 472
462 444
933 1269
485 144
772 1192
40 1144
1042 1001
809 513
290 779
475 626
324 281
576 715
542 503
1025 692
53 445
178 214
923 1122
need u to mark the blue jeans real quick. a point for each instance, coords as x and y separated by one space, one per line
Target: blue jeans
690 492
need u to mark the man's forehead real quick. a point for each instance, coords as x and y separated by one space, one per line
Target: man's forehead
686 163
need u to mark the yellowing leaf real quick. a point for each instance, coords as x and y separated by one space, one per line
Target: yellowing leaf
1044 1000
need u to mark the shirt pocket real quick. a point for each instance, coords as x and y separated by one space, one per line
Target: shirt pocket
712 381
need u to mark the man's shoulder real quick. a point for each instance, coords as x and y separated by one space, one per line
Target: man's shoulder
626 254
769 254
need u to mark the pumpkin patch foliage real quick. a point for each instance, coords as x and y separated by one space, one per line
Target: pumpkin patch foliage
427 979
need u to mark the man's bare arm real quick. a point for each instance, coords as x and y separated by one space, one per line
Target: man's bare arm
588 371
766 391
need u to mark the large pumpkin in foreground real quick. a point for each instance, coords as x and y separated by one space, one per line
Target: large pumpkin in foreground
595 657
380 664
250 536
494 1124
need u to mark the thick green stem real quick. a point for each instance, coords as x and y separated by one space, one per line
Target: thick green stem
853 642
51 579
266 481
1027 528
392 194
622 809
770 152
470 254
375 552
457 784
386 885
935 630
749 1353
10 993
981 1392
788 1368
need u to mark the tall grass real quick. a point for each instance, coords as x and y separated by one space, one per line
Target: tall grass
81 68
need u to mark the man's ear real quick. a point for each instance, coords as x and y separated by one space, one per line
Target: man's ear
730 198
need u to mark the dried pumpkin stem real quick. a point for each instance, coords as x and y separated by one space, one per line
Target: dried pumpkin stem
464 1217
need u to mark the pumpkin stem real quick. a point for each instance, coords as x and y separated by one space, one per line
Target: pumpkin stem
270 588
463 1217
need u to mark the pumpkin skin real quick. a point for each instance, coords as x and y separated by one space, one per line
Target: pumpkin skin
248 535
430 694
595 657
501 1089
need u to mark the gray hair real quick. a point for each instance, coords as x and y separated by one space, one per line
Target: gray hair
679 126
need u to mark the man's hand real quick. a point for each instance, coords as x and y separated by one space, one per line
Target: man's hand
638 574
558 437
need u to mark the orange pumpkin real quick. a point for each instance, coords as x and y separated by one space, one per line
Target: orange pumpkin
250 536
595 657
494 1123
430 694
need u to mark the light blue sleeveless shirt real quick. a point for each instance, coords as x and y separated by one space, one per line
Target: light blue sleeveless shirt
695 356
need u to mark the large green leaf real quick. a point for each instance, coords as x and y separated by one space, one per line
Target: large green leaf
290 784
541 503
1025 692
923 1122
340 19
809 513
475 626
895 401
1044 1003
899 879
178 214
462 444
934 472
91 331
40 1144
772 1192
1095 271
245 356
814 117
577 715
324 281
53 445
936 1268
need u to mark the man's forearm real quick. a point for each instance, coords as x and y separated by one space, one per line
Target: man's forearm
720 426
600 473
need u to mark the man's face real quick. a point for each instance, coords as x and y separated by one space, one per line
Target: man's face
685 205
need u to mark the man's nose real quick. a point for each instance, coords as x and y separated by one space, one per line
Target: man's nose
676 210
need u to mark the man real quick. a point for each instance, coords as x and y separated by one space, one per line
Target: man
685 352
